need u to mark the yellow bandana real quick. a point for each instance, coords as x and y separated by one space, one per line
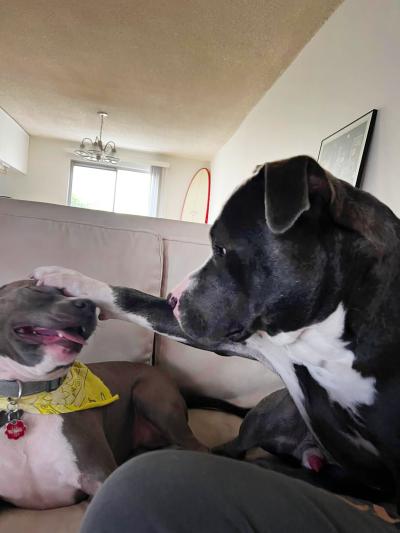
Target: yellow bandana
80 390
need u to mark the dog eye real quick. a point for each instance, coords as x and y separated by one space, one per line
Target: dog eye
43 289
219 250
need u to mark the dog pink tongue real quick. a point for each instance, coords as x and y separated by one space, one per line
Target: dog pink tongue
316 463
52 336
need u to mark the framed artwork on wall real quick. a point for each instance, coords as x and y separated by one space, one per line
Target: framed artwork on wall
344 153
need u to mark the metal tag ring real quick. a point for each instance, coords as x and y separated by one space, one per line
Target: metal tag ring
12 402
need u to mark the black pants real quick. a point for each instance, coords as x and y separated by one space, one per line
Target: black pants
188 492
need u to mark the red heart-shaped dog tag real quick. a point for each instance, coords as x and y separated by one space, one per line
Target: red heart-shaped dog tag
15 429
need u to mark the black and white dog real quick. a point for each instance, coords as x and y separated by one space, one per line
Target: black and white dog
304 276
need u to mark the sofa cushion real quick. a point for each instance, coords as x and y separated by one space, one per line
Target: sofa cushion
130 257
61 520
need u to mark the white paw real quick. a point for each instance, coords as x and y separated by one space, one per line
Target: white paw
73 283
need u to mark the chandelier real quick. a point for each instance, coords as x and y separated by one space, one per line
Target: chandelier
97 150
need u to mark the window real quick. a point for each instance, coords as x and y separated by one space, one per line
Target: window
114 189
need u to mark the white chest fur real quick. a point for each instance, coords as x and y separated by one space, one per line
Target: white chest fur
39 470
320 349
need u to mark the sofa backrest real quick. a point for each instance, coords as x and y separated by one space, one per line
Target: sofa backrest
149 254
33 234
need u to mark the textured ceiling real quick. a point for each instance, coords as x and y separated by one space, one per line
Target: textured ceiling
176 76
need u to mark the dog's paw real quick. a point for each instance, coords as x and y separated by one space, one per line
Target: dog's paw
73 283
53 276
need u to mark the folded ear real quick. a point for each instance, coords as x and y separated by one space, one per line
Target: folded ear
287 190
361 212
291 185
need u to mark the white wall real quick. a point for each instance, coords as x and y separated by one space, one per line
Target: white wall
49 166
350 66
14 142
175 183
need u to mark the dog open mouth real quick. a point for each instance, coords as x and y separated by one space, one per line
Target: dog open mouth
71 337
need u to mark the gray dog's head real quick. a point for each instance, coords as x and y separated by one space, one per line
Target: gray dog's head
41 330
286 250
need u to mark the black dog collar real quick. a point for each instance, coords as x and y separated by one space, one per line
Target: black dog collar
17 389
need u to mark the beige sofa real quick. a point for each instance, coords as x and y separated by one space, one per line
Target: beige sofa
146 253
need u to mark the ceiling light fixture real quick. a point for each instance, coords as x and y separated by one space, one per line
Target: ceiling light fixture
97 150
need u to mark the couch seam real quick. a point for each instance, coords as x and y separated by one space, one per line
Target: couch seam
103 226
146 232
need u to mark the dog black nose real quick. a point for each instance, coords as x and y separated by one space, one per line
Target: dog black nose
84 305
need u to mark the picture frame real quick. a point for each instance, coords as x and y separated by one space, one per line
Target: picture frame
344 153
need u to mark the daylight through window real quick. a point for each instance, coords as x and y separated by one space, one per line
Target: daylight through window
111 189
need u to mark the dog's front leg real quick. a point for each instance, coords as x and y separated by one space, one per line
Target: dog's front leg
131 305
120 303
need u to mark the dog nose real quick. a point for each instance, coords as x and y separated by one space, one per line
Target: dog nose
84 305
172 300
176 294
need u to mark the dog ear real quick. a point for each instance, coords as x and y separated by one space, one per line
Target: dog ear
287 191
361 212
291 185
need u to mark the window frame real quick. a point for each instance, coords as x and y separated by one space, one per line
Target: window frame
101 166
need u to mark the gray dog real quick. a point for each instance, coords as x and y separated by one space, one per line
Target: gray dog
62 458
